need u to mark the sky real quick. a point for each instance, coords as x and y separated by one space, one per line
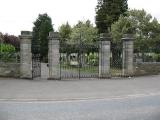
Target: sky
18 15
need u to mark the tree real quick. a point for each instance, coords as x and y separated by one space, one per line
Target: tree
12 40
7 53
65 31
84 32
107 12
1 37
142 25
41 29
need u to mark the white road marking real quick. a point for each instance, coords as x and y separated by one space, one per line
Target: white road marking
81 99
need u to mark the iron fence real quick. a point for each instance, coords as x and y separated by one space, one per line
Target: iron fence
79 60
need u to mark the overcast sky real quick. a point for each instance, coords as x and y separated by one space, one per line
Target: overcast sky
17 15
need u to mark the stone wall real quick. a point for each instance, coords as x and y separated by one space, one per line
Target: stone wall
9 69
146 68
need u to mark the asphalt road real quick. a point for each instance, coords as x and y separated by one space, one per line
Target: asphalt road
19 89
144 107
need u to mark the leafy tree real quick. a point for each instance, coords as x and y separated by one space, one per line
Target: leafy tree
154 35
1 37
141 24
7 48
7 52
65 31
84 32
107 12
41 29
12 40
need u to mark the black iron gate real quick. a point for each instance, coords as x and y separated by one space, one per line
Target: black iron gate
36 62
116 60
80 60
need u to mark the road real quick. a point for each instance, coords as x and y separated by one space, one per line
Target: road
19 89
142 107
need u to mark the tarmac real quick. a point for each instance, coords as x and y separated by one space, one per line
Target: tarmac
59 90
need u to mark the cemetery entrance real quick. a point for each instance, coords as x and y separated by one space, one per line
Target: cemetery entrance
79 60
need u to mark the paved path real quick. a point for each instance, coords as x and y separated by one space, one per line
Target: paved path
14 89
134 108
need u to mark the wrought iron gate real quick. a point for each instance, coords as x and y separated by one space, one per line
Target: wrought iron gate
79 60
36 62
116 59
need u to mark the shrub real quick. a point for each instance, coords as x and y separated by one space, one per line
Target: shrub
8 53
12 40
7 48
93 59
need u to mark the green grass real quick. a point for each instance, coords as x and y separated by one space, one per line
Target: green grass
86 69
90 69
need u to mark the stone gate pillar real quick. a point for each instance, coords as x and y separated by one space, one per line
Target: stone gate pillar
54 56
104 56
128 55
25 55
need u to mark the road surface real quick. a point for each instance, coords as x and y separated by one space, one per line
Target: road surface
141 107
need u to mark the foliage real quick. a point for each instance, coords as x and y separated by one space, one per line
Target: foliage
93 59
125 25
65 31
85 48
81 38
107 12
10 39
84 32
141 24
1 37
41 29
8 53
13 40
7 48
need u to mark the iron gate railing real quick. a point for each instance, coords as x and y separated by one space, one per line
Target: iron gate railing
36 61
79 60
36 66
116 61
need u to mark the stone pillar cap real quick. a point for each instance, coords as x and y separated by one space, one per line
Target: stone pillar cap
53 35
26 33
105 37
128 37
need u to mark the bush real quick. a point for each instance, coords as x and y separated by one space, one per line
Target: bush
7 48
156 57
93 59
8 53
12 40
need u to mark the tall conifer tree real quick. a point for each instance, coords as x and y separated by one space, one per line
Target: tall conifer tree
41 29
107 12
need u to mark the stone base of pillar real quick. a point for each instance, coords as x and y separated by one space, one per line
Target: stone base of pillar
24 77
105 76
126 73
54 78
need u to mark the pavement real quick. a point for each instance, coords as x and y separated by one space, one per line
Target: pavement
83 89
